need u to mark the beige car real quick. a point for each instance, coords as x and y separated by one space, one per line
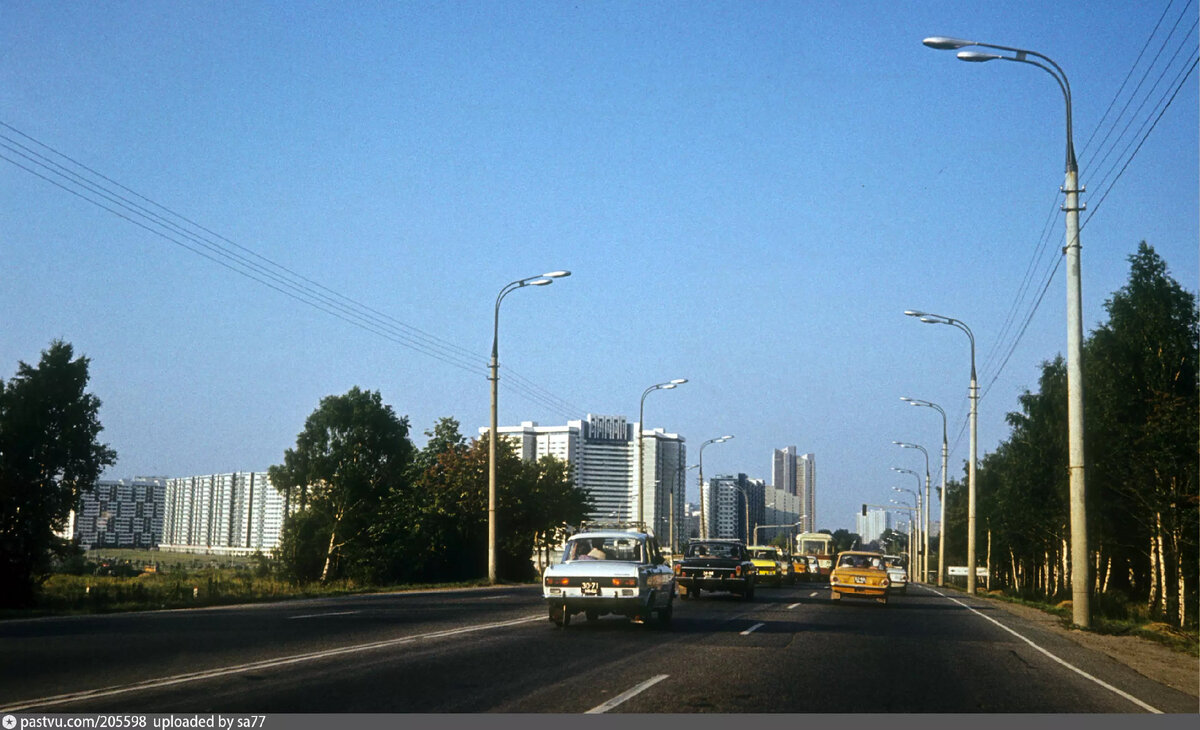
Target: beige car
859 575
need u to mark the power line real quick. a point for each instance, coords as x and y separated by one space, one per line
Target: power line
197 239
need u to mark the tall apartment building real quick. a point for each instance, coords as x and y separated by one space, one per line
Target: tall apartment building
871 526
120 514
736 506
235 514
603 454
780 508
796 474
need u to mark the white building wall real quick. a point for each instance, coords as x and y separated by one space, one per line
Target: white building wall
121 514
235 513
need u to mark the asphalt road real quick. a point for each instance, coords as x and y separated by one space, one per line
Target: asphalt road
790 650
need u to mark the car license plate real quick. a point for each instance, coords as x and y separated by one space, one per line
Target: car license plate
590 588
859 579
708 574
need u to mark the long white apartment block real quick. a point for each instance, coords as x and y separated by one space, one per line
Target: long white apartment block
240 513
602 453
119 514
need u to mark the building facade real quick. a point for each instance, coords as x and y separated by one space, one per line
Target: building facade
736 506
120 514
796 474
602 452
233 514
870 527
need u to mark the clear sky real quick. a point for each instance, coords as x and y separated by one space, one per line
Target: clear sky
748 196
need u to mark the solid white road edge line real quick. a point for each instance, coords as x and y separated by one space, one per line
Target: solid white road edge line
752 629
626 695
1068 665
265 664
321 615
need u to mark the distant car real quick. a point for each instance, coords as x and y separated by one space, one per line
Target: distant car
897 572
768 564
799 568
610 571
859 574
715 565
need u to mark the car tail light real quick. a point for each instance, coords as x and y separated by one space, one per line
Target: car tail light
737 571
556 581
678 569
624 581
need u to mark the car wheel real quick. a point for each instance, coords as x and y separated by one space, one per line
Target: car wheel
665 614
882 601
694 593
904 591
557 615
748 594
592 615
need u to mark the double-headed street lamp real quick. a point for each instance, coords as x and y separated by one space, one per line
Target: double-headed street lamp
912 540
942 495
700 476
974 396
669 385
920 508
494 376
1080 583
928 505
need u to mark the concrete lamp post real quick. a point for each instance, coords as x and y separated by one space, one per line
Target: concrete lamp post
494 377
1080 579
928 506
669 385
942 494
700 477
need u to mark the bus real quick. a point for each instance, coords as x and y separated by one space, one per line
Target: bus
820 546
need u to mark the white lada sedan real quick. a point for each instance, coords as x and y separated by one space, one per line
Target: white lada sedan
610 571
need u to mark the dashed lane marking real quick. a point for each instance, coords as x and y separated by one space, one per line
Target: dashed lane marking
322 615
752 629
626 695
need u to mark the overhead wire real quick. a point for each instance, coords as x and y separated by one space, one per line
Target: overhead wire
178 230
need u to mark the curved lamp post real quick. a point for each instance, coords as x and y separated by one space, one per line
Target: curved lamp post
928 506
1080 583
746 497
912 542
974 396
669 385
920 509
700 476
942 494
494 376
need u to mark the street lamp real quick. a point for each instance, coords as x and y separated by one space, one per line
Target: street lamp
494 376
747 504
680 482
974 396
700 476
1080 585
942 495
920 510
912 553
669 385
928 505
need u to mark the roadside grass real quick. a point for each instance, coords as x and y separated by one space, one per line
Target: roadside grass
183 580
1112 615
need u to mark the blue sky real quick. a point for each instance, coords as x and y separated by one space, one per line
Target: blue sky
748 196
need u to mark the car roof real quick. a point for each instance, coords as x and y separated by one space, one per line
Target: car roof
609 533
861 552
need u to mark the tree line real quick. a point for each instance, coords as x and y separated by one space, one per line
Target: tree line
1142 400
365 504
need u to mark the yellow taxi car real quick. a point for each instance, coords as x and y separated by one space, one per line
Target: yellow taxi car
859 574
768 564
799 568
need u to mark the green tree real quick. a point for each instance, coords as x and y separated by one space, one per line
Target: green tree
845 540
352 453
49 455
1143 434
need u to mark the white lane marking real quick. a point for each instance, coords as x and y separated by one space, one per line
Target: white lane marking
1068 665
793 606
626 695
491 598
322 615
811 595
265 664
752 629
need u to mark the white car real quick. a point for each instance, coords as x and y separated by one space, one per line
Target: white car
897 572
610 571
